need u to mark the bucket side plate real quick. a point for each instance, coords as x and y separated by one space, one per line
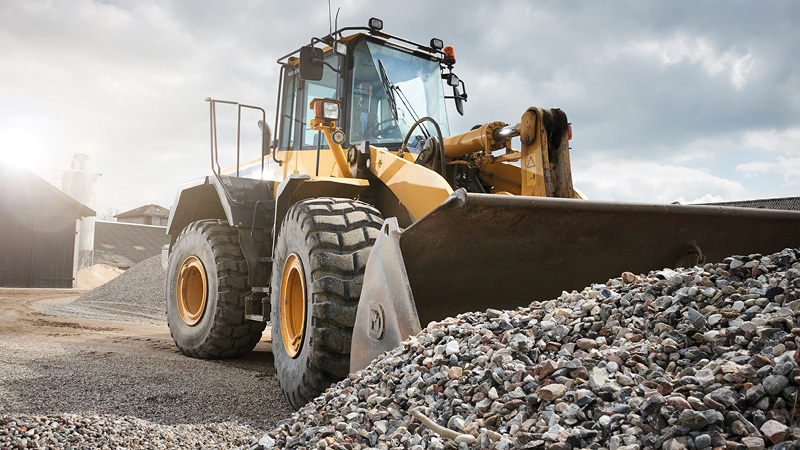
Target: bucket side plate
386 312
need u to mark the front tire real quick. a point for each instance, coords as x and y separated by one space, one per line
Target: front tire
320 257
206 289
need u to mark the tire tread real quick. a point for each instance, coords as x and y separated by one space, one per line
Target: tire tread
231 334
340 234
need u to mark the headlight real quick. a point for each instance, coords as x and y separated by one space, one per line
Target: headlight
326 109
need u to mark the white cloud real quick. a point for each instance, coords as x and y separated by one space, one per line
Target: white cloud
650 182
708 198
752 169
685 49
124 80
773 140
779 154
786 168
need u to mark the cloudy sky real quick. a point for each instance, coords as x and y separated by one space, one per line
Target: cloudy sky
688 101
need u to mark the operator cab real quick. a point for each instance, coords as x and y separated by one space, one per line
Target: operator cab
384 85
391 90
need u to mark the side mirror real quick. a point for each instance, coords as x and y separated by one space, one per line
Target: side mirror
459 97
266 138
311 63
459 105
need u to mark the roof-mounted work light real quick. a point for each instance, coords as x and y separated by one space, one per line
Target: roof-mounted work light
376 24
340 48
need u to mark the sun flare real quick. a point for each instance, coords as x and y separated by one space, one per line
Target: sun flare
19 148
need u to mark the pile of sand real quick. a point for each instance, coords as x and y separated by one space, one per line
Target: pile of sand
97 275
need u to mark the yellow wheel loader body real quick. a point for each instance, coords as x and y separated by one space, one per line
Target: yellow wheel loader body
369 219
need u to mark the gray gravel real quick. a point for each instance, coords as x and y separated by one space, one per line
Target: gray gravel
137 295
163 386
63 431
692 359
153 390
109 377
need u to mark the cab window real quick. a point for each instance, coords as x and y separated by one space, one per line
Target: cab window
296 98
291 83
324 88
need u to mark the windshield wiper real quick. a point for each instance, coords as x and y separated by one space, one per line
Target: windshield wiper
411 110
387 87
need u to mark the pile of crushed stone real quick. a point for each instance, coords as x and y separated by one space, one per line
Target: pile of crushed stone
72 431
696 359
138 295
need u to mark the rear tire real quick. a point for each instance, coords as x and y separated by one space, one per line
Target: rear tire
206 289
328 241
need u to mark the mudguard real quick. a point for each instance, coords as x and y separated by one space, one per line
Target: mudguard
224 197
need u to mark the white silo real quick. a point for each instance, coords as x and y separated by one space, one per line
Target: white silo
81 185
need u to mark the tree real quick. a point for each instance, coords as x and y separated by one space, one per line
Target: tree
108 215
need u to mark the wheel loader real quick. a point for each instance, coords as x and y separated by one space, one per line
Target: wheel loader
365 217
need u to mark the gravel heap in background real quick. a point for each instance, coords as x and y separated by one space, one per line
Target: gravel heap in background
110 432
138 295
692 359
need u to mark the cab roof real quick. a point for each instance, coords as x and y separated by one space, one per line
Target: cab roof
338 35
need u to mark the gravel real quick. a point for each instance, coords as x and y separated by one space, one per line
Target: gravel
132 392
695 359
62 431
159 385
137 295
118 381
699 358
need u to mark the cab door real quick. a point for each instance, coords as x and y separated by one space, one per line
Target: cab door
303 150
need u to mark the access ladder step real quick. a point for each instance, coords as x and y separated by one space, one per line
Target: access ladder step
257 304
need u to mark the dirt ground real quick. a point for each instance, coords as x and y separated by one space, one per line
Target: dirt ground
54 365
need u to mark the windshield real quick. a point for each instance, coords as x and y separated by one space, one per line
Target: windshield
392 89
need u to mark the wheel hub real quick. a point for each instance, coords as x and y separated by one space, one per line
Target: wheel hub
293 305
192 290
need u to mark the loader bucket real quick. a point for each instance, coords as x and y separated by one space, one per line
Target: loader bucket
479 251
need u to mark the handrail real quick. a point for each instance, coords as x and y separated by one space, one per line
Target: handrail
215 145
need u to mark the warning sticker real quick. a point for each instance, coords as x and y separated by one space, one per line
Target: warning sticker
530 166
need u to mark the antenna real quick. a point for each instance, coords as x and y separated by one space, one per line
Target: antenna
330 25
336 22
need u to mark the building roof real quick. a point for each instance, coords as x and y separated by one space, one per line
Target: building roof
23 190
146 210
785 203
125 244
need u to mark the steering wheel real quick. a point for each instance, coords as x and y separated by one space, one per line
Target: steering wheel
387 128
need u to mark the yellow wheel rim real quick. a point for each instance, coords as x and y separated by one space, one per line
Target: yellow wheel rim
192 290
293 304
